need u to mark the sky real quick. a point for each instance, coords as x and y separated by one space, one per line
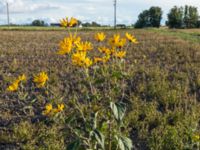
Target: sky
101 11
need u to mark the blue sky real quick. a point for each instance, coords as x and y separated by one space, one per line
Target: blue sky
101 11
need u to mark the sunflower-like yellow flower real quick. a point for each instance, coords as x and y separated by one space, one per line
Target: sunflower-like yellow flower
131 38
104 50
121 43
106 58
75 39
113 51
40 79
113 41
15 85
101 59
98 59
84 46
65 46
64 22
68 22
22 77
88 62
60 107
100 36
48 109
120 54
80 59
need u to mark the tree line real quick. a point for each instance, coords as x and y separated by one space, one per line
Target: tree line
39 22
178 17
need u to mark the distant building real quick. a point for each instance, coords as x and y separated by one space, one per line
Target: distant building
122 26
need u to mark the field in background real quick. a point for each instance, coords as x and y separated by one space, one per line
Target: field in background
163 85
34 28
192 35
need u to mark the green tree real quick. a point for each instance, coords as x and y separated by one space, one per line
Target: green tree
38 23
93 24
143 20
175 17
183 17
186 16
191 17
155 15
149 18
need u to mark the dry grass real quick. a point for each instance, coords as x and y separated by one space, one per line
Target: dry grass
162 88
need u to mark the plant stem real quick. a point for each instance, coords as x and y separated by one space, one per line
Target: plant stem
110 127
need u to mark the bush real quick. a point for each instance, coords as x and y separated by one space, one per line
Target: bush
38 23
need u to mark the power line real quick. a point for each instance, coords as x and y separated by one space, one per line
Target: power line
115 12
8 18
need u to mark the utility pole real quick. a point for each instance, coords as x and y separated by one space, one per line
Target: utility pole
8 18
115 11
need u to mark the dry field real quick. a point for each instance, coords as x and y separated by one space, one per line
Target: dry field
160 85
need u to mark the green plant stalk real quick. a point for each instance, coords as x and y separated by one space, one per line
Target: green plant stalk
110 134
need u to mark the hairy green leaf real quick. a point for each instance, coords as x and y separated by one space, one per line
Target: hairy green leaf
124 143
99 138
118 110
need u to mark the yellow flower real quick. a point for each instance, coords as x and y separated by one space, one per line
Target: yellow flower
48 109
131 38
98 59
100 36
65 46
88 62
74 39
121 43
106 58
103 59
61 107
22 77
120 54
13 87
114 40
68 23
84 46
81 60
104 50
112 51
73 22
40 79
64 22
78 58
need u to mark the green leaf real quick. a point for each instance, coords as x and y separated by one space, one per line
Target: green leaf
100 81
118 110
99 138
124 143
74 145
95 120
117 75
70 119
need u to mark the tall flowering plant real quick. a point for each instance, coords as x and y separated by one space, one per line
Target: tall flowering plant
97 118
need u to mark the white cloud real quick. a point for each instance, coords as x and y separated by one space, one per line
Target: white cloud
100 11
22 6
